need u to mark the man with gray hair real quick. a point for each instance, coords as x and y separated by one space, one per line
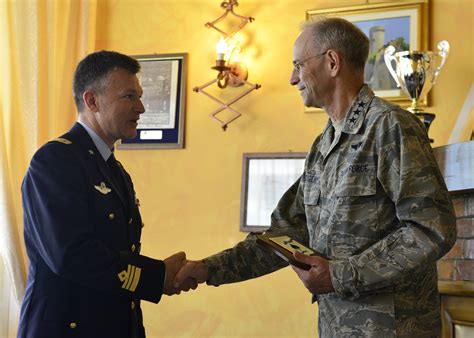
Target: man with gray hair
371 200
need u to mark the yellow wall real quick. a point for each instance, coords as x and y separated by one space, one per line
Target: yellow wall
191 198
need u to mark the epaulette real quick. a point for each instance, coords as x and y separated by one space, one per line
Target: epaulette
61 140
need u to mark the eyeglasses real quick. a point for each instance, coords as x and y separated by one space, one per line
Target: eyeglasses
299 64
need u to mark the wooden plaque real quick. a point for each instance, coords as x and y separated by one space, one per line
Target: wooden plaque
285 246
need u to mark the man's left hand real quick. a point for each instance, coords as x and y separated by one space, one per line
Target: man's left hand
318 278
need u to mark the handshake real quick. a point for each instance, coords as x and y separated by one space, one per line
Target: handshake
183 274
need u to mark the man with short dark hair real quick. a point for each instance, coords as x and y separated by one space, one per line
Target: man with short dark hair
82 225
371 199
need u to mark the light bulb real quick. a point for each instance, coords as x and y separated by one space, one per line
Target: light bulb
221 49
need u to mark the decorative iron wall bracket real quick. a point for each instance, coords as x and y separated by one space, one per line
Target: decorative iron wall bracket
226 105
230 73
229 8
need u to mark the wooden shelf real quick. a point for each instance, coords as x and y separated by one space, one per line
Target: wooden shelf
457 288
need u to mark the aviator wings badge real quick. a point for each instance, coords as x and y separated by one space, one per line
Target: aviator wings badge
102 188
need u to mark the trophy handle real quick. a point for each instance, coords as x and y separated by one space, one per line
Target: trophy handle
388 56
443 47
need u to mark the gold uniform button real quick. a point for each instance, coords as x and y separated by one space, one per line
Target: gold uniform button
73 325
111 216
132 305
143 224
133 247
130 221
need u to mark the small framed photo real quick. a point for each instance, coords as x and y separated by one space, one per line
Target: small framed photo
403 25
265 178
163 79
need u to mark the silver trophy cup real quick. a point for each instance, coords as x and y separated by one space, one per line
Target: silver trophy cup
416 73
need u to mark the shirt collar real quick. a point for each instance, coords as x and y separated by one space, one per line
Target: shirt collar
356 114
100 144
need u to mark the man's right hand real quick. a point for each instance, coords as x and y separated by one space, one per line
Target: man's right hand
195 270
172 265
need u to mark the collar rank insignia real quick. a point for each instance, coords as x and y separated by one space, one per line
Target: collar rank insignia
102 188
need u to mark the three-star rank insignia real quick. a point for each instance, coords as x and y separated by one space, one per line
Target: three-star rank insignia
102 188
130 277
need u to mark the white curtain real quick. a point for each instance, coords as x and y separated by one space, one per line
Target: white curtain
41 42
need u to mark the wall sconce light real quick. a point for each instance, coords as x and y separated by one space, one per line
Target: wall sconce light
230 72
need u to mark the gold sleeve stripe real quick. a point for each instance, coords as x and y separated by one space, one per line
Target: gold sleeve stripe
126 276
122 275
130 278
136 279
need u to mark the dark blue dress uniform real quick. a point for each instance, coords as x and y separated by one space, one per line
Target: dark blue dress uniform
82 231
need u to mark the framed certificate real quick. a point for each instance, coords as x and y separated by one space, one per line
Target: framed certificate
163 79
265 178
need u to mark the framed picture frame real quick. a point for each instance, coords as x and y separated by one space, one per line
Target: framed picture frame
265 177
163 79
401 24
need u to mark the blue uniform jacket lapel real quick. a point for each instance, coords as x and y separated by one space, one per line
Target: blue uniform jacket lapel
129 188
88 146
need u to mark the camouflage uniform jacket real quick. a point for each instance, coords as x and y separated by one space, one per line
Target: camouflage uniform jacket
376 205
